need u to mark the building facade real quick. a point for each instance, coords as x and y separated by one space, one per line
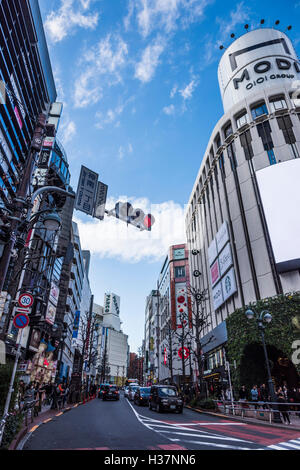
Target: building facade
245 191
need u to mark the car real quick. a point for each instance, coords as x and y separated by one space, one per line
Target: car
100 390
126 390
110 392
132 389
141 396
165 398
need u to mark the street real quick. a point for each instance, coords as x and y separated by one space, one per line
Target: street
122 425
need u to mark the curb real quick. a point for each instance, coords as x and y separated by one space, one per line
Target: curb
24 434
259 423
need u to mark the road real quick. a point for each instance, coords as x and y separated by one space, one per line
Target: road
121 425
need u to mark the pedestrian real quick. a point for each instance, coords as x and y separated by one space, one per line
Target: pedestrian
65 394
21 393
263 395
283 408
243 394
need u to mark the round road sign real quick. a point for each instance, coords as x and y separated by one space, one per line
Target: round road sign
21 320
25 300
186 353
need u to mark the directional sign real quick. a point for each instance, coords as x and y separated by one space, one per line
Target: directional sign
25 300
21 320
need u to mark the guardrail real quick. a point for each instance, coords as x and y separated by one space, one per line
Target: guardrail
263 410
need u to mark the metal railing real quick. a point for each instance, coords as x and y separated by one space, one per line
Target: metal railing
257 409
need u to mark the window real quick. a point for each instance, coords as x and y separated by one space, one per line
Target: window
259 110
179 271
227 131
271 157
241 120
277 103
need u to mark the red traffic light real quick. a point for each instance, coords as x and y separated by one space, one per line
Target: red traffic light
148 221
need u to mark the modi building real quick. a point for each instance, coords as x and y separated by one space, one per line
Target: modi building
243 219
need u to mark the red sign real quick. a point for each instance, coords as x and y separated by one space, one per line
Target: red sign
186 353
25 300
165 356
214 272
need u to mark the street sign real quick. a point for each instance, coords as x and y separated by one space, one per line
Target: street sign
21 320
99 207
25 300
86 191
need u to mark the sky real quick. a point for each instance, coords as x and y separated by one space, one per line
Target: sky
138 80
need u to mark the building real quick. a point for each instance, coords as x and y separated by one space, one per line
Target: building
244 193
112 344
167 321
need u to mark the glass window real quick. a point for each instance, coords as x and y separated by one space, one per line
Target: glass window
259 110
227 131
280 103
271 157
179 271
167 392
241 120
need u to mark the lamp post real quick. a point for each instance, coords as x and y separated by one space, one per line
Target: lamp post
64 334
265 317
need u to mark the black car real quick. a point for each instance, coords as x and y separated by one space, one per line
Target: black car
141 396
110 392
165 397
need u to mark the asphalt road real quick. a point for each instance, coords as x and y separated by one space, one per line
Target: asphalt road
121 425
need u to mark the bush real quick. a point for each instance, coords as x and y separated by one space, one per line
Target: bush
12 427
207 404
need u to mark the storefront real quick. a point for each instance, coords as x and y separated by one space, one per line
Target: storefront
213 348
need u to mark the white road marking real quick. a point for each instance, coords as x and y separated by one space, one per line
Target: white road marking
208 437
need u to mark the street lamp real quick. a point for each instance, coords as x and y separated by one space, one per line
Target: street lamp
265 317
51 221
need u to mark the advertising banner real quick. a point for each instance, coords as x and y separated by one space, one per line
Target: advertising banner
222 236
212 252
217 294
101 196
215 272
225 259
181 303
54 293
112 304
50 314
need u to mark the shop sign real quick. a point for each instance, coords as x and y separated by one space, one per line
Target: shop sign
229 284
225 259
217 294
50 314
215 272
222 236
212 252
86 191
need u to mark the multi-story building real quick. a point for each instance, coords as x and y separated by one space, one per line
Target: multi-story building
167 321
241 219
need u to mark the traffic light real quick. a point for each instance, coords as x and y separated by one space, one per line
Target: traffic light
125 211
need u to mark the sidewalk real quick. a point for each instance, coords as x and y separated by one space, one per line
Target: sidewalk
44 416
295 421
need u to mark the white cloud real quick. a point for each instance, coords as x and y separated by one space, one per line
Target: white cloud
169 110
188 91
125 150
165 15
237 16
145 69
102 65
68 132
173 91
70 16
110 117
111 238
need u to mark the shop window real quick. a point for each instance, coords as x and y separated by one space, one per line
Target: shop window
259 110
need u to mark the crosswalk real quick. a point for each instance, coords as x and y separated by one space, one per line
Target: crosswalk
190 435
293 444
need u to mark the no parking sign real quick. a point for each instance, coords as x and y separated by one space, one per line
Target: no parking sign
21 320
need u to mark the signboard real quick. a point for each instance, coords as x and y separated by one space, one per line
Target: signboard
101 196
112 304
222 236
181 302
261 59
86 191
215 272
229 284
54 293
217 295
185 353
50 314
179 253
212 252
225 259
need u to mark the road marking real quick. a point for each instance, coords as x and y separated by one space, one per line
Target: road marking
47 420
213 444
34 428
208 437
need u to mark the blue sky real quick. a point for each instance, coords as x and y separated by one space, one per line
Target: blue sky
138 79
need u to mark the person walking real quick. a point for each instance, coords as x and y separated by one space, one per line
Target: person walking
283 408
65 395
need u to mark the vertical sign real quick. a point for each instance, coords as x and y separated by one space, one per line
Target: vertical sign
99 209
86 191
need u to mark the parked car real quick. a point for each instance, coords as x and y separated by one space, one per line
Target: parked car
100 390
132 389
141 396
165 397
110 392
